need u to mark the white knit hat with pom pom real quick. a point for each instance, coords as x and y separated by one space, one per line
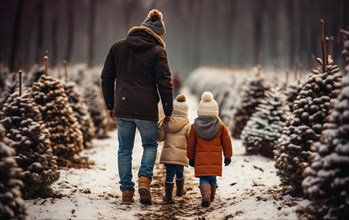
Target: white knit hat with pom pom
180 107
208 106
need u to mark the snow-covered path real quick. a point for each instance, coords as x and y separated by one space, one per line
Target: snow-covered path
248 189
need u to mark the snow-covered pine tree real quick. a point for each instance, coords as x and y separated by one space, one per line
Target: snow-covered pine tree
252 94
292 90
25 128
263 130
94 100
327 181
81 112
304 126
226 100
9 89
58 116
12 206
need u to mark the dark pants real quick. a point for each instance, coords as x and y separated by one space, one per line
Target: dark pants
173 170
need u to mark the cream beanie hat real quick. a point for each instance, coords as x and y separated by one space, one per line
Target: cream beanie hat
207 106
180 107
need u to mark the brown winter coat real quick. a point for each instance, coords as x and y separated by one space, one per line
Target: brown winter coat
175 135
135 69
207 153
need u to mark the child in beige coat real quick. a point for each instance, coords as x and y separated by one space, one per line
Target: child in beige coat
174 152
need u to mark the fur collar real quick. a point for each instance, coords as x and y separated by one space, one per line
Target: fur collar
149 31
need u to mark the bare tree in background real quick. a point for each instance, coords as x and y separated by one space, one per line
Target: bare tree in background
15 35
54 39
196 23
91 35
231 27
40 32
258 9
129 7
70 31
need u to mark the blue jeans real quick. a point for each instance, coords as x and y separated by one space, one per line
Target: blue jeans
172 170
212 180
126 135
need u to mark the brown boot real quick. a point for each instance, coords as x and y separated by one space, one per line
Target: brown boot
213 191
144 190
205 189
180 191
168 192
127 196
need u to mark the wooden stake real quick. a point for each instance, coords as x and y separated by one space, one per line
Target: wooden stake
66 71
46 65
331 46
20 82
322 24
327 49
59 71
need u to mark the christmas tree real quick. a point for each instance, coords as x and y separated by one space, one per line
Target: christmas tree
252 94
93 98
305 125
80 110
66 137
263 130
327 181
12 206
25 128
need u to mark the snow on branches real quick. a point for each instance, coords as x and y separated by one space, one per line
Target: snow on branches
80 110
304 126
12 206
25 128
327 181
252 94
66 137
263 130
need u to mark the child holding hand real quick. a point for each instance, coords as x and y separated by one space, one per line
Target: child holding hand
174 152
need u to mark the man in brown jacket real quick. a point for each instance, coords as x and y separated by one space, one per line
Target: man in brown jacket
135 72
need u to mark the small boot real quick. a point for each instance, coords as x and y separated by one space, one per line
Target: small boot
144 190
205 189
180 191
168 192
213 191
127 196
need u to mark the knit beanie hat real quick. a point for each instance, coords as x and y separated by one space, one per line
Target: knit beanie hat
154 22
207 106
180 107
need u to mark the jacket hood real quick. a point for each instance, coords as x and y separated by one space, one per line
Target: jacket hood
176 124
206 126
142 38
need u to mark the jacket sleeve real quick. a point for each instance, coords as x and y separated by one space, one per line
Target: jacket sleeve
161 133
108 80
226 142
163 80
188 128
191 144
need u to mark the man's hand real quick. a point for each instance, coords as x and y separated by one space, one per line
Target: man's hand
167 119
111 114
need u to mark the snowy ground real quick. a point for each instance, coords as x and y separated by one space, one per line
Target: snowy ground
248 189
